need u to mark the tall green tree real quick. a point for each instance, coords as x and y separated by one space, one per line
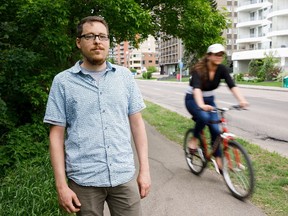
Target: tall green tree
197 22
37 40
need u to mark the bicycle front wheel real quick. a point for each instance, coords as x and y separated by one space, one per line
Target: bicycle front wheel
238 171
196 162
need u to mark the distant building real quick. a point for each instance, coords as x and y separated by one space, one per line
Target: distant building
262 29
170 54
230 34
172 50
140 59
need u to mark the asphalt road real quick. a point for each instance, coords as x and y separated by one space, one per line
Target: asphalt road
264 124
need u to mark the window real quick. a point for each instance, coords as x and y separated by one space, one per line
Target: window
252 32
252 16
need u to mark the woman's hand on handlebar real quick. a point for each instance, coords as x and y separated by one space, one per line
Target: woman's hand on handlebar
207 108
244 104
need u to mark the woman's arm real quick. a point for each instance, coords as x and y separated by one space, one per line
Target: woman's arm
197 93
237 94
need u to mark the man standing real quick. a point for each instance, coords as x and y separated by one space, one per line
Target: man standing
92 108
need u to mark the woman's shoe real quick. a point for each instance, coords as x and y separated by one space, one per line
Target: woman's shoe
192 150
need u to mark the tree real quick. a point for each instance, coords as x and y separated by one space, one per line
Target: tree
37 40
197 22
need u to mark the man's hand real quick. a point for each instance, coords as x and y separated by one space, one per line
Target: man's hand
68 200
144 184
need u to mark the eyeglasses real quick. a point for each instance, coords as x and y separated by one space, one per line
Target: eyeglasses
92 37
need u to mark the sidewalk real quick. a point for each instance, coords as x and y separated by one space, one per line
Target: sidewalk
176 191
268 88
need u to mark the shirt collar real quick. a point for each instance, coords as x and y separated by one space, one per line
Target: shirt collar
76 68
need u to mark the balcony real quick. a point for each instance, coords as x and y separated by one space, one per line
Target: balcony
252 5
283 12
278 33
259 54
252 23
250 40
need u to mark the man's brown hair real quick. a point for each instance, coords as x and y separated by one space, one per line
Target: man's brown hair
90 19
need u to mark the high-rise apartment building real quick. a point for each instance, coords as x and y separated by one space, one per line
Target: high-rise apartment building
230 34
170 54
262 30
172 50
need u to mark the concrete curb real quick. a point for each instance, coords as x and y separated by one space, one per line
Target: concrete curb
268 88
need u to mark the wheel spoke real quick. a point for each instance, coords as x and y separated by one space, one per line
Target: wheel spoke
237 171
196 161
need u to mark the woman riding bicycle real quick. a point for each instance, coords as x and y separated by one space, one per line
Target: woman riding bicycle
199 100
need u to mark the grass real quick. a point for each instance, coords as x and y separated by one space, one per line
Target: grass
272 83
29 188
265 83
271 192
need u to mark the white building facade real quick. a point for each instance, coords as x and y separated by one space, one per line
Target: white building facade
262 30
147 55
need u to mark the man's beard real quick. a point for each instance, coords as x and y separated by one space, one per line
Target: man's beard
94 61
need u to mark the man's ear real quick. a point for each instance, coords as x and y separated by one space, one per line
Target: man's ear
78 40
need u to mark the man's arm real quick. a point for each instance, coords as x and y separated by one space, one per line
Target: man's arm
141 144
66 196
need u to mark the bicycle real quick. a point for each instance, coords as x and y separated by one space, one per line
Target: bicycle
237 167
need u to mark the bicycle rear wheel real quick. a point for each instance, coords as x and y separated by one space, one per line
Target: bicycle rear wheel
196 162
238 171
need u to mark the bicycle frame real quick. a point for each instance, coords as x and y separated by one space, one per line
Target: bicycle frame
225 138
237 168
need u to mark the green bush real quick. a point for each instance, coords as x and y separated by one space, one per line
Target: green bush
147 75
270 68
238 77
281 76
29 189
265 69
152 69
22 143
255 66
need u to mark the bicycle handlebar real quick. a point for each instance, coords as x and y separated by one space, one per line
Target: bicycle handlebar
233 107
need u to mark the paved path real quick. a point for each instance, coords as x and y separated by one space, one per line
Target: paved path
177 192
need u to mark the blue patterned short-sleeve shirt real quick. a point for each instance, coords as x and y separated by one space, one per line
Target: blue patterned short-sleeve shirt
98 148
